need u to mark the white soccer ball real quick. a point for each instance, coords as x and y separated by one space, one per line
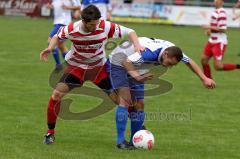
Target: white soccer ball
143 139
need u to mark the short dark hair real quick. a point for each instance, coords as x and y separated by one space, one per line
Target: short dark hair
176 52
89 13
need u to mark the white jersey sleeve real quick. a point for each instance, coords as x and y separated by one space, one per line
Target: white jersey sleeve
136 58
116 30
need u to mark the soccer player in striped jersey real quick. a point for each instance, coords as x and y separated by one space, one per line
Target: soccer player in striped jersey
86 59
128 74
217 42
62 17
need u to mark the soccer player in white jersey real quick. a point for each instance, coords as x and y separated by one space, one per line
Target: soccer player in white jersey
104 6
127 78
86 59
62 17
217 42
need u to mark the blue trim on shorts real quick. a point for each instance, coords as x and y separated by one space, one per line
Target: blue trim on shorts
55 29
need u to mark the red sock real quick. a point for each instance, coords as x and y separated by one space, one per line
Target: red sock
207 70
52 113
228 67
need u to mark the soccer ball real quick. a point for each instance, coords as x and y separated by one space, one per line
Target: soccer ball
143 139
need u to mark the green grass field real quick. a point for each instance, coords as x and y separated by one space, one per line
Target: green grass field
212 132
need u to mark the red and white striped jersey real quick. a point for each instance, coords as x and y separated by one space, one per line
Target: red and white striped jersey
87 50
219 20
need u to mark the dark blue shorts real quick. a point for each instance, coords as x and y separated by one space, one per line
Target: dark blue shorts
120 78
55 29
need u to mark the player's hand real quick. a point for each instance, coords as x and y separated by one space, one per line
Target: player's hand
44 54
139 48
209 83
145 77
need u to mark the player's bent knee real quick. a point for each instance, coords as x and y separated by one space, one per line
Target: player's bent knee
61 45
204 61
60 91
113 97
125 102
218 67
57 95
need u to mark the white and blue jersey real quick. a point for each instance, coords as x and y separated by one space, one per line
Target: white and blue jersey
103 5
152 54
119 76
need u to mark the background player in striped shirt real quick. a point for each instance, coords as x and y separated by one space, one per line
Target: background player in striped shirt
217 42
86 59
128 74
62 17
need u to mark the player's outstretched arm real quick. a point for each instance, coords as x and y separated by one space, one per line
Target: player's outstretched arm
207 82
53 43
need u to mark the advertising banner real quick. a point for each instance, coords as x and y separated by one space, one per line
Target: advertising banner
167 14
21 7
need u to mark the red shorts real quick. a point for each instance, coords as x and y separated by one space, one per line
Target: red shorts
96 75
216 50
